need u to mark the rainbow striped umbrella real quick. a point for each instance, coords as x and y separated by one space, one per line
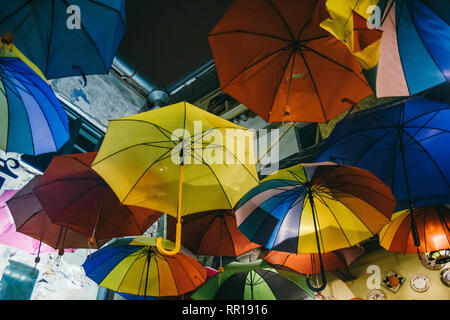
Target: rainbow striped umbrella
32 120
415 46
134 265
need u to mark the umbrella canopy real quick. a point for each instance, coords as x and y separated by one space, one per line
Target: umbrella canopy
308 263
8 49
9 235
414 48
32 120
349 204
66 38
135 266
31 219
76 197
168 159
349 23
274 58
432 225
403 144
252 281
315 208
212 233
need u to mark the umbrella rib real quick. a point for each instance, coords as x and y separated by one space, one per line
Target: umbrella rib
408 4
160 158
65 180
316 89
420 128
218 181
203 236
283 20
26 220
227 230
319 197
16 11
134 253
255 63
429 156
386 232
50 37
334 61
259 34
374 142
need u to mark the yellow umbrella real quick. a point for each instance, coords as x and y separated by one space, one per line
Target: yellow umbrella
179 160
8 49
341 26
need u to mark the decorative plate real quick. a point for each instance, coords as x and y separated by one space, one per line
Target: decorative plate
393 281
419 283
429 262
376 295
445 276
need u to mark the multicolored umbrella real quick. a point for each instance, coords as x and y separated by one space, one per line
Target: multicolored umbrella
315 208
403 144
32 120
31 219
308 263
66 38
179 160
9 235
273 57
432 224
135 266
76 197
252 281
414 48
212 233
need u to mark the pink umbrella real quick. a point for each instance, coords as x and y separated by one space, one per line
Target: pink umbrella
10 237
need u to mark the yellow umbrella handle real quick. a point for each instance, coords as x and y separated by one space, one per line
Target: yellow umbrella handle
178 228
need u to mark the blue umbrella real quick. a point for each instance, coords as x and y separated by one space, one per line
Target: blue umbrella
32 120
404 144
66 37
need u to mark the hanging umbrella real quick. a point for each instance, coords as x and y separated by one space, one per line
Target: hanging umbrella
76 197
315 208
349 22
414 48
432 224
32 120
252 281
8 49
402 144
308 263
31 219
65 38
10 237
273 57
179 160
134 265
212 233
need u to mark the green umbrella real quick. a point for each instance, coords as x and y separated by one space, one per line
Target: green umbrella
253 281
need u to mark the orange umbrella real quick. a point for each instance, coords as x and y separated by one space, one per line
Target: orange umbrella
432 225
274 58
308 263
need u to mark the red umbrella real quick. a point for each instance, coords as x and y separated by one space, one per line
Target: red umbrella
75 196
212 233
308 263
273 57
31 219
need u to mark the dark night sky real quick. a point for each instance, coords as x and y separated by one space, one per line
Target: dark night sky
165 39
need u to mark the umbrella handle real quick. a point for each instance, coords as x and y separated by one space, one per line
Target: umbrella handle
324 282
177 248
178 228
